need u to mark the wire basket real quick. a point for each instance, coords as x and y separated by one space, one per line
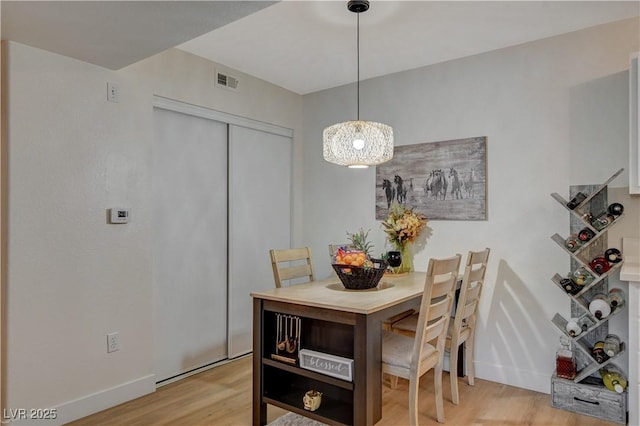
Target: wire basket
361 278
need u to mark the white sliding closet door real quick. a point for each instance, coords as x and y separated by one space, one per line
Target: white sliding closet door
259 220
190 242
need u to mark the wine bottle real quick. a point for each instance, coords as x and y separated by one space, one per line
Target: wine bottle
616 209
575 201
573 328
586 234
585 322
572 243
599 306
611 345
613 255
569 286
581 276
613 379
602 221
587 217
599 265
598 352
616 298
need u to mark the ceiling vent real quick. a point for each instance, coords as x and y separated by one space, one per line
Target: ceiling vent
226 81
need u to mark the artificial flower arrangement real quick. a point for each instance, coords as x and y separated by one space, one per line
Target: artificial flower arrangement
402 227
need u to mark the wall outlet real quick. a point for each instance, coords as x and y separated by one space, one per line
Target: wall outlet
113 342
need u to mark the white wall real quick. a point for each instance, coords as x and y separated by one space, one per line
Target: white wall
547 108
71 277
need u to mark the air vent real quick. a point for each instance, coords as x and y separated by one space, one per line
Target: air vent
226 81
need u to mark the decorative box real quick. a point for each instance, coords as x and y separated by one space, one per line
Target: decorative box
331 365
592 400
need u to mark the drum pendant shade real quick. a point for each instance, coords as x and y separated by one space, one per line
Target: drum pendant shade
358 143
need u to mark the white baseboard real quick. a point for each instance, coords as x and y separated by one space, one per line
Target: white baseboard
93 403
514 377
509 376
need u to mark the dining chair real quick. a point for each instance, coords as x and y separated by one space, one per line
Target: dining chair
463 327
411 357
291 264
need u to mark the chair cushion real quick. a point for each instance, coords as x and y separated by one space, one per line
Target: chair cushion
409 323
397 349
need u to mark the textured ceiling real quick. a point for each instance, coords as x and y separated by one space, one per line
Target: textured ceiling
114 34
303 46
307 46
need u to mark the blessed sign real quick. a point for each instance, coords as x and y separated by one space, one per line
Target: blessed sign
331 365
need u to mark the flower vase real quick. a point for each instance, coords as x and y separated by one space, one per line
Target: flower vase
407 258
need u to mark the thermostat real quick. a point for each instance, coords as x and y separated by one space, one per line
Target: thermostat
119 215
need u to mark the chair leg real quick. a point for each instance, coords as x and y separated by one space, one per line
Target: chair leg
468 355
437 378
393 381
413 400
453 372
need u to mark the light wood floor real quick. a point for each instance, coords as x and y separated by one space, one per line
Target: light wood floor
222 396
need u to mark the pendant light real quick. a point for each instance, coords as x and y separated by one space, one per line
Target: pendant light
358 143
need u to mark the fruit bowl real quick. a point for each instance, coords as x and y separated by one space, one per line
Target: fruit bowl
361 277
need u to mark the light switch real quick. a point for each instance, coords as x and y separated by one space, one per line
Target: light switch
112 92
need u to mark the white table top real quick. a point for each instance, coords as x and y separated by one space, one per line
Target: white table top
331 294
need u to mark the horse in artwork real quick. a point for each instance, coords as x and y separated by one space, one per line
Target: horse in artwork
428 183
389 191
439 185
456 184
470 183
401 191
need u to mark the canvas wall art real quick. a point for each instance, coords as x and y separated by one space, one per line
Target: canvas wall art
443 180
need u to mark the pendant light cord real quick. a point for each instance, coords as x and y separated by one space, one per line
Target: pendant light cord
358 54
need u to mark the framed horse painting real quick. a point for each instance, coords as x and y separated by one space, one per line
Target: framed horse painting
443 180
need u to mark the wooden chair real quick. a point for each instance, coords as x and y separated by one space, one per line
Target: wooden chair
411 357
298 264
463 326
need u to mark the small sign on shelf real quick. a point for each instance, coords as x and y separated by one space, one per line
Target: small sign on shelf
331 365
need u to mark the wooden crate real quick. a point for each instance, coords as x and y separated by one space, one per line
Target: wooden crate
591 399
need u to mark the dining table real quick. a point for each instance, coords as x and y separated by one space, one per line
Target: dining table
337 322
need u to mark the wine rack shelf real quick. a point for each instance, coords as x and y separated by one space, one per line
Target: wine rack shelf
598 278
590 197
580 300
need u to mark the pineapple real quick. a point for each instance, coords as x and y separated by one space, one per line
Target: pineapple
359 241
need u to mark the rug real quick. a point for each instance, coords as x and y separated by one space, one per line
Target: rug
293 419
